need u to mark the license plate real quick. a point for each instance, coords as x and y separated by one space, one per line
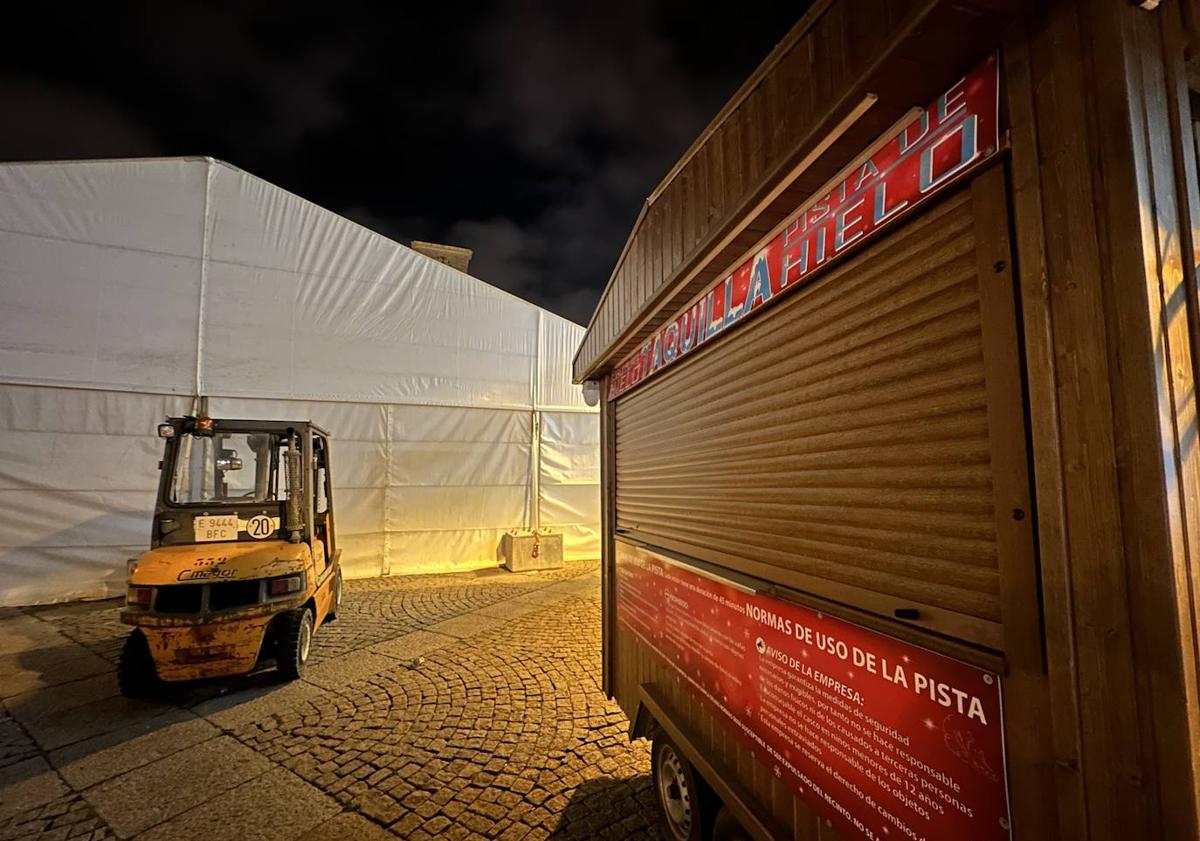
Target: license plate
215 528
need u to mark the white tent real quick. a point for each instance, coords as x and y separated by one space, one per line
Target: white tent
127 288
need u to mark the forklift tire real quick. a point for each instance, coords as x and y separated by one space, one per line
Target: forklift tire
136 675
685 802
727 828
337 596
294 642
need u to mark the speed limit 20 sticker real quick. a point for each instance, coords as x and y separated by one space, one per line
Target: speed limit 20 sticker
262 526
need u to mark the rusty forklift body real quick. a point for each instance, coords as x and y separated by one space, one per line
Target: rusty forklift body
243 566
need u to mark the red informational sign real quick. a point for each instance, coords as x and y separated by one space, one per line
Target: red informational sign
884 739
953 135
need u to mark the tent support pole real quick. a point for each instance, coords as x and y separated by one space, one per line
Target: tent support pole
206 233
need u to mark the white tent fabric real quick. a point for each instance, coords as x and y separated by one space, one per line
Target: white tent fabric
127 288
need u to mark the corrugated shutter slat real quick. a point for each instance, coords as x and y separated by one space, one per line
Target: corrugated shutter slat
841 436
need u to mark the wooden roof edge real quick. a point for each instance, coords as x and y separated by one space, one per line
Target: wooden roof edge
798 31
793 36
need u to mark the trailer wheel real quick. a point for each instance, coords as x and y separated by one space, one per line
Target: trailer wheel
685 804
136 675
295 642
727 828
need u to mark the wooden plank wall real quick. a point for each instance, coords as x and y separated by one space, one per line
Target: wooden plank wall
1104 198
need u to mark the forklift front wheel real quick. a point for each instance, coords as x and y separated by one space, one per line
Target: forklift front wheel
295 641
136 675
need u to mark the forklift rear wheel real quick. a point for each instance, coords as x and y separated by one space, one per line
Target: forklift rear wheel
295 641
685 804
136 675
727 828
337 596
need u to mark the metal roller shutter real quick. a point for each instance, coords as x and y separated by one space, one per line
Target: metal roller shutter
839 443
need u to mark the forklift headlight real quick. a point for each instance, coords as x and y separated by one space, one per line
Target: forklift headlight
286 585
140 596
166 430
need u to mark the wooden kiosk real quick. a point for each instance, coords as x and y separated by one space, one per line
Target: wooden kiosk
900 473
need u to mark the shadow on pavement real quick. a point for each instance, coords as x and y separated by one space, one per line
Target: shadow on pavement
63 693
611 808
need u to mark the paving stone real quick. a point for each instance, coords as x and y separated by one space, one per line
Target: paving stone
501 731
33 655
65 696
20 634
16 745
338 672
96 625
61 727
379 609
541 597
347 826
415 644
472 735
150 794
87 763
468 625
511 609
583 586
275 805
242 706
68 816
28 785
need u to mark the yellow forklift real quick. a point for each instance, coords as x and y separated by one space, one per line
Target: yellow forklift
243 566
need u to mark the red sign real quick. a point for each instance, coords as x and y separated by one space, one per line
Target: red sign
884 739
949 138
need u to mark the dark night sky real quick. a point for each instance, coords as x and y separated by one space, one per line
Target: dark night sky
528 130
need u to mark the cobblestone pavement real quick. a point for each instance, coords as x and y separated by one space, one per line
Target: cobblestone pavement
459 706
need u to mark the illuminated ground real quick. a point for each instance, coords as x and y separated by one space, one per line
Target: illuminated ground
456 706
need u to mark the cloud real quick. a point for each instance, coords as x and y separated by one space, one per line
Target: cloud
508 248
178 78
528 130
233 83
599 98
562 77
46 121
